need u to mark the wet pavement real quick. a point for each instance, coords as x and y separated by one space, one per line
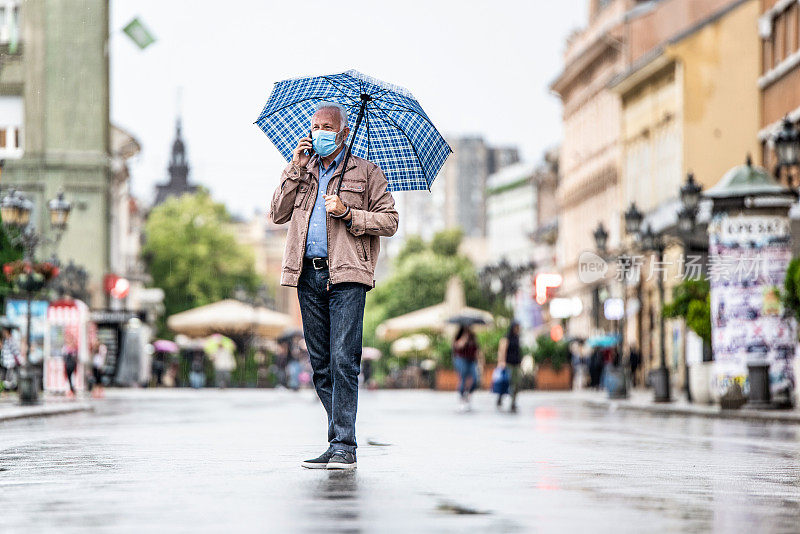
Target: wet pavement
186 461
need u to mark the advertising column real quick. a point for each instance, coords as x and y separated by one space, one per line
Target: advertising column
747 264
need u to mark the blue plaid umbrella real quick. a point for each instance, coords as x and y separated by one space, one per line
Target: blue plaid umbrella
396 135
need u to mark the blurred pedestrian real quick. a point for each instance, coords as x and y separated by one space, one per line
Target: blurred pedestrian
70 365
465 360
595 368
98 362
10 358
197 370
509 356
635 360
158 366
224 364
331 252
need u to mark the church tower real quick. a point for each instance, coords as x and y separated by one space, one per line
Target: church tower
178 171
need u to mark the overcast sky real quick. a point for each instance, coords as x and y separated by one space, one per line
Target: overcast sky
476 67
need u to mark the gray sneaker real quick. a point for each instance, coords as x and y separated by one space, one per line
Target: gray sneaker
320 462
342 460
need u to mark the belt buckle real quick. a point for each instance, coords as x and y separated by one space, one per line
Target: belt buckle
321 263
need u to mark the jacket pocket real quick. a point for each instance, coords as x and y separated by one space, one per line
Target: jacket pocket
352 194
302 194
363 248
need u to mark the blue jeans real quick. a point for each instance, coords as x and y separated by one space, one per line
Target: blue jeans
466 369
333 320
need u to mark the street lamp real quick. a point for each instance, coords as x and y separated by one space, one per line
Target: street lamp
59 211
600 237
787 145
690 193
633 220
16 213
653 242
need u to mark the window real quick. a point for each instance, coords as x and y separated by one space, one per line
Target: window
11 124
9 21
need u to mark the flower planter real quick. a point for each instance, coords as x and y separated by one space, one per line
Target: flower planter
548 379
447 379
700 382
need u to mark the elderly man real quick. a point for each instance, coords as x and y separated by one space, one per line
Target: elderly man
331 251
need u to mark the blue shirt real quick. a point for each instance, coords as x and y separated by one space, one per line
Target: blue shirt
317 240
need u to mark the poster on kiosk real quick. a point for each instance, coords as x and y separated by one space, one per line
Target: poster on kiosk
68 332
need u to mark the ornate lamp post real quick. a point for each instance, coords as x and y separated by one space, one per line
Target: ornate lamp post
502 279
654 243
600 235
16 213
787 148
633 220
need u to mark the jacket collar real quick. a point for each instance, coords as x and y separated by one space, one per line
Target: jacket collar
313 166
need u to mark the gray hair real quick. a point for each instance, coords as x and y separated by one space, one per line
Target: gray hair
332 105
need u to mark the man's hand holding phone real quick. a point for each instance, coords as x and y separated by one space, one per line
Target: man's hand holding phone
302 154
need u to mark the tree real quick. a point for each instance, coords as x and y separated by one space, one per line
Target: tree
446 242
419 280
192 256
691 301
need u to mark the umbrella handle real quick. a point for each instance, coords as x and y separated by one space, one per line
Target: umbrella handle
364 99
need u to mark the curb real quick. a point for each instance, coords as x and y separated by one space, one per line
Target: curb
30 412
711 413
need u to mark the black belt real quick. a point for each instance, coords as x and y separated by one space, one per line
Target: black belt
316 263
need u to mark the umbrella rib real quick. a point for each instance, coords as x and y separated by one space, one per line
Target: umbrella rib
338 88
295 102
410 110
422 166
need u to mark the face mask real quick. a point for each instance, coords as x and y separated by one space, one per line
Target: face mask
324 142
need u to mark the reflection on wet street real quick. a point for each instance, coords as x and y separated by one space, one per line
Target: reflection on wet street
185 461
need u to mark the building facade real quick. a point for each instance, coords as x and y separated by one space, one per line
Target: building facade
54 120
620 33
457 198
779 80
676 118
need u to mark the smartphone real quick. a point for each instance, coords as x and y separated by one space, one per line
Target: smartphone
309 152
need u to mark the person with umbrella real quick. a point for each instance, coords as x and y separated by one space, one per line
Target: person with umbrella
466 356
336 197
333 265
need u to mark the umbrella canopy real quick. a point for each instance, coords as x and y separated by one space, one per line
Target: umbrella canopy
606 341
415 343
290 335
214 342
396 133
466 320
370 353
165 345
433 318
229 317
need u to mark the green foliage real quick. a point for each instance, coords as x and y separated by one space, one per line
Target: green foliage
446 242
412 245
7 255
246 373
547 351
791 288
419 280
691 301
192 256
489 340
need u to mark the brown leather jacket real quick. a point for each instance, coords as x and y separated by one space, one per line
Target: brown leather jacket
352 252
